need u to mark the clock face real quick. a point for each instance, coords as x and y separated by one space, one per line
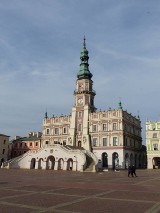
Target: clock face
80 101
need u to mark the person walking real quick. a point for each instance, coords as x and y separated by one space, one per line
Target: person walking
134 171
130 171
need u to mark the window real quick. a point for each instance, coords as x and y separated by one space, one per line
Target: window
55 142
155 146
25 144
46 142
3 151
47 131
154 135
79 127
30 144
94 127
115 141
79 114
64 130
114 126
104 127
4 141
126 142
64 142
104 140
20 144
56 131
94 142
36 143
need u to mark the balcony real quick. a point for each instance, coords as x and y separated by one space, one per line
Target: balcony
84 91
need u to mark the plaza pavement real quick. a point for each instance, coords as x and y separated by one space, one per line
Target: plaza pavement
65 191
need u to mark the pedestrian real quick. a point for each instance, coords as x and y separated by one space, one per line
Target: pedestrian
134 171
130 171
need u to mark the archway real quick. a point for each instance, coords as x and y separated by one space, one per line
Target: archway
70 164
79 143
50 162
33 163
104 159
60 164
40 163
156 162
2 161
115 160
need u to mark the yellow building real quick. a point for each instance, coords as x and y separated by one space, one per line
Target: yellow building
153 144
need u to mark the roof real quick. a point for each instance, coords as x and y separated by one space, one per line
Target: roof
4 135
32 138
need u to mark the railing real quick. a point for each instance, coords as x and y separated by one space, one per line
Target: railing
84 91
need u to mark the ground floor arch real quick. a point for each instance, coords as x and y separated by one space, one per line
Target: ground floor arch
33 163
156 162
70 164
105 160
50 162
60 164
115 160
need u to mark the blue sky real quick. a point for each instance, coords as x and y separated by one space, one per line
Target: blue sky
40 44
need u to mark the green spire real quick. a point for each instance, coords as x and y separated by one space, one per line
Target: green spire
46 116
120 105
84 66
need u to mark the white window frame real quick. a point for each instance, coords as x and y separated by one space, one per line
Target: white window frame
56 130
94 142
115 141
104 127
104 141
94 128
115 126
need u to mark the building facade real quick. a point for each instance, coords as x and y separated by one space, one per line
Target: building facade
114 136
21 145
4 148
153 144
86 139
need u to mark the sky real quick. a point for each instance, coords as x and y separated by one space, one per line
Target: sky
40 45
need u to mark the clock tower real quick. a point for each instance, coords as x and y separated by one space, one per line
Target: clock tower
84 103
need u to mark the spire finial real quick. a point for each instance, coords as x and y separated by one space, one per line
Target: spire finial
120 103
84 42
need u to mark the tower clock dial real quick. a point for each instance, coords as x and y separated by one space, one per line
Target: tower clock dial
80 101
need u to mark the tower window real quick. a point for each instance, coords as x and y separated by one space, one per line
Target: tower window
79 127
3 151
79 114
47 131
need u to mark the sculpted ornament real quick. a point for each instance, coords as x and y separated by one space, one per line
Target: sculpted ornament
84 139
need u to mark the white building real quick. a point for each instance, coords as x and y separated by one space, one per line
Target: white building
109 139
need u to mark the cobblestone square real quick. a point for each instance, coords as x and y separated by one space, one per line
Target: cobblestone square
66 192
